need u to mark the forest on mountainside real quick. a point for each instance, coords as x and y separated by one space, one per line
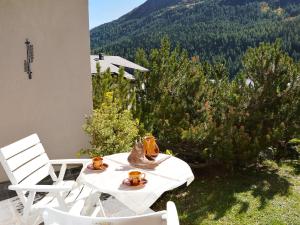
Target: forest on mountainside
213 30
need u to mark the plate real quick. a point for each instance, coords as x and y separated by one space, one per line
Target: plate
128 183
91 167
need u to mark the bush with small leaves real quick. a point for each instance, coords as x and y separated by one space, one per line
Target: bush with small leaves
111 128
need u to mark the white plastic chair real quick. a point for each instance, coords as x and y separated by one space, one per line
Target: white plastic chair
56 217
26 164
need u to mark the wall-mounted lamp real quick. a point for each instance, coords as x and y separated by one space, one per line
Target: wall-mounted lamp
29 59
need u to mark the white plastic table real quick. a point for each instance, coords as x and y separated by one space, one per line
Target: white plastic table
170 174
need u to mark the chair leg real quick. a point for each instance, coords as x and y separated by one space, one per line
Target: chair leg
27 208
101 208
62 172
61 201
37 221
95 200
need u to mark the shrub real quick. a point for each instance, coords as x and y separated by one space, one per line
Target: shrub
248 122
230 121
104 82
111 128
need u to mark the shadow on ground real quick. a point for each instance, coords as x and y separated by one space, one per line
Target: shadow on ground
212 194
294 164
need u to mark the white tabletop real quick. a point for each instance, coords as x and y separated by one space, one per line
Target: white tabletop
170 174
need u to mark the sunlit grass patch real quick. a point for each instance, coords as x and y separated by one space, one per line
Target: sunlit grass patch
266 196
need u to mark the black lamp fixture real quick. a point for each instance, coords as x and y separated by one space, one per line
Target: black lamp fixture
29 58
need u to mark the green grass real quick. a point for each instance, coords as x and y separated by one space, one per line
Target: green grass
270 195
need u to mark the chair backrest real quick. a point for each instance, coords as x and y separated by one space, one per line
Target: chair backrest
56 217
25 162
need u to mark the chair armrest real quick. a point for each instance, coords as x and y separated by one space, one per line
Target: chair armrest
40 188
69 161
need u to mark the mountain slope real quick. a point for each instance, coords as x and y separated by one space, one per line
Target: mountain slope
149 7
211 29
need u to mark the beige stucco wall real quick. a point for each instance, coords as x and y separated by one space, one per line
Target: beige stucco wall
54 102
